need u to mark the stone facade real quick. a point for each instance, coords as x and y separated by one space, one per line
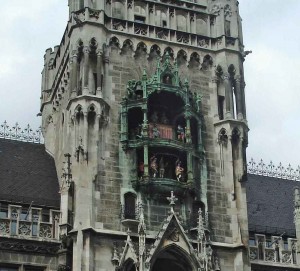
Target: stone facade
122 67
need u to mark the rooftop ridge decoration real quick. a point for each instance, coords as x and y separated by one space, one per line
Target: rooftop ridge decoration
270 170
17 133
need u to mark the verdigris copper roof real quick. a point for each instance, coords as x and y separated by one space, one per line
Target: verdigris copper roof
270 204
27 173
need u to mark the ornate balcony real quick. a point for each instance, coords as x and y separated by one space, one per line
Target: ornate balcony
160 187
31 225
276 252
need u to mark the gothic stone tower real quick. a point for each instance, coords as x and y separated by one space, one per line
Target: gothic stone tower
143 110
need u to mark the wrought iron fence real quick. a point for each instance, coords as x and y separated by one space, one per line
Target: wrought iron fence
16 132
271 170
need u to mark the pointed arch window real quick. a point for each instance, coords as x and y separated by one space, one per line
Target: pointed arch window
129 206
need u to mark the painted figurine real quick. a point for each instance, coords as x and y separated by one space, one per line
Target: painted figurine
179 171
153 166
162 167
155 131
180 133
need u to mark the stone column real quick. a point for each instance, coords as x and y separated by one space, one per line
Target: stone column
146 162
74 73
243 85
86 52
238 96
86 13
190 168
145 135
228 97
188 130
214 85
99 73
105 89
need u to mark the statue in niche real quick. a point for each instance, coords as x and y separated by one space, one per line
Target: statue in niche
164 119
138 131
179 170
154 117
162 166
141 170
167 79
153 166
180 133
155 131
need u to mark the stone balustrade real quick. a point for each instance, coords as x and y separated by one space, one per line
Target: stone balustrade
33 224
275 251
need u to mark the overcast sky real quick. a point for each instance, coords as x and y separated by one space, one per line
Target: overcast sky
271 31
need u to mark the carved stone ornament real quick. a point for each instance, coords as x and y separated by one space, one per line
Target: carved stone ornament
174 235
227 11
215 10
29 247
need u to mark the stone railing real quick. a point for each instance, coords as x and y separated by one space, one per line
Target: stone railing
26 134
275 251
27 229
270 170
34 223
159 32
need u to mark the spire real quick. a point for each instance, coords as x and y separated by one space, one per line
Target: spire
142 237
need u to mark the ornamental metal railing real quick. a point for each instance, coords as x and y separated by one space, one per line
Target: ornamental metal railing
16 132
271 170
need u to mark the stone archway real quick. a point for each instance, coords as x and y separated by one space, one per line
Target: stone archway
172 258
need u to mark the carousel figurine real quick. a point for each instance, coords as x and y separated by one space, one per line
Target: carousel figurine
155 131
179 170
153 166
180 133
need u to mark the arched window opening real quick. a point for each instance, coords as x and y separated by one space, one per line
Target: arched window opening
130 206
235 139
129 265
118 9
135 121
162 111
167 163
91 116
195 132
79 114
173 259
207 62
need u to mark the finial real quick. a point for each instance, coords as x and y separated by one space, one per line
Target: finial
115 258
172 201
128 234
200 225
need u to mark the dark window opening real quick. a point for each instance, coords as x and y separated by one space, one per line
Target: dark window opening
95 81
129 210
139 19
227 28
164 23
221 100
45 216
3 210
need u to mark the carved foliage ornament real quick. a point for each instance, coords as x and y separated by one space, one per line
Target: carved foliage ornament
215 10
